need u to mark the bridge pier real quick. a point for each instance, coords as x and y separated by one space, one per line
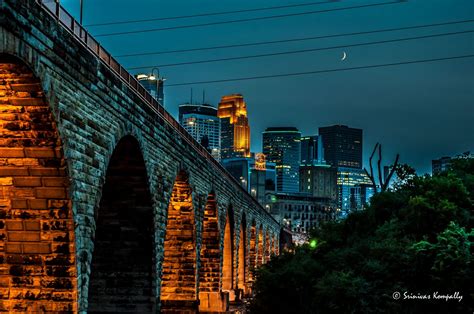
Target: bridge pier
214 301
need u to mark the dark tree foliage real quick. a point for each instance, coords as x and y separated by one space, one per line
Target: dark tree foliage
417 238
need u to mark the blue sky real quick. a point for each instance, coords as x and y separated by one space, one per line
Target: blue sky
422 111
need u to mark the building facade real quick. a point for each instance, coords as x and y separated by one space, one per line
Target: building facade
312 152
282 145
235 129
300 212
255 174
342 146
319 181
352 184
443 163
202 123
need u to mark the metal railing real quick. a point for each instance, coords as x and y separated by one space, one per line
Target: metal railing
79 32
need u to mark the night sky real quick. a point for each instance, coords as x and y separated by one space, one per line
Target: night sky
423 111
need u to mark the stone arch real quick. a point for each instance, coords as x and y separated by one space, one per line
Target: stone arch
267 246
242 262
252 251
179 277
228 252
260 252
210 268
36 218
123 271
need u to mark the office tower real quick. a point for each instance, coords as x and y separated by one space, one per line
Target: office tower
300 213
319 181
282 145
202 123
348 198
342 146
256 175
312 152
235 130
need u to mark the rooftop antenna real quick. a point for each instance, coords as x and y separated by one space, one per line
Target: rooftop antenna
203 96
191 100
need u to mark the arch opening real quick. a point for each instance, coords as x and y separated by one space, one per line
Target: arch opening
228 252
123 264
242 265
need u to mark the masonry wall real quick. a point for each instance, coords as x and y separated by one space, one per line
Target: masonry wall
92 111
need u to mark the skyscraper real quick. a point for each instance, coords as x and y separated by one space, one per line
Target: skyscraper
311 150
202 123
255 174
235 130
154 85
282 145
342 146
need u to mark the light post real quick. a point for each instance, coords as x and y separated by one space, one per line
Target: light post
159 84
81 4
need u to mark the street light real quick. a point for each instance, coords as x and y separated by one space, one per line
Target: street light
159 83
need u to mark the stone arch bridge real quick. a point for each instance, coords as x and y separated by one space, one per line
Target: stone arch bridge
106 203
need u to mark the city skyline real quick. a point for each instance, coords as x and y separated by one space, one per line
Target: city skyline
396 106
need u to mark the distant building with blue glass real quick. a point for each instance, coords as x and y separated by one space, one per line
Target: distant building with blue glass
282 145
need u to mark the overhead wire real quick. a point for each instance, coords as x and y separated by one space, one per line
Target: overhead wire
247 19
293 39
322 71
300 51
212 13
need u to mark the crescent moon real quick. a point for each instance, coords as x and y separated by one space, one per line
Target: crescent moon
344 56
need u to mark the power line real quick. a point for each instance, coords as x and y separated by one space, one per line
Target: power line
303 50
248 19
213 13
293 39
322 71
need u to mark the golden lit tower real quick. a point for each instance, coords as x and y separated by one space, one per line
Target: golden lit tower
235 130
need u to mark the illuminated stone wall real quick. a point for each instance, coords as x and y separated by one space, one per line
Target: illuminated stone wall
88 113
37 255
178 281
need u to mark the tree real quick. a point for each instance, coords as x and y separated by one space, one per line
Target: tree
416 238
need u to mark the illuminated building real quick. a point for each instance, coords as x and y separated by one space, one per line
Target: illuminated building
154 85
202 123
256 175
300 212
352 184
311 150
235 130
342 146
282 146
319 180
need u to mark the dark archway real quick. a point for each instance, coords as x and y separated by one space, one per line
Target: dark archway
228 252
123 265
36 220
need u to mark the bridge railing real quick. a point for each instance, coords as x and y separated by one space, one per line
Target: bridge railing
80 33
